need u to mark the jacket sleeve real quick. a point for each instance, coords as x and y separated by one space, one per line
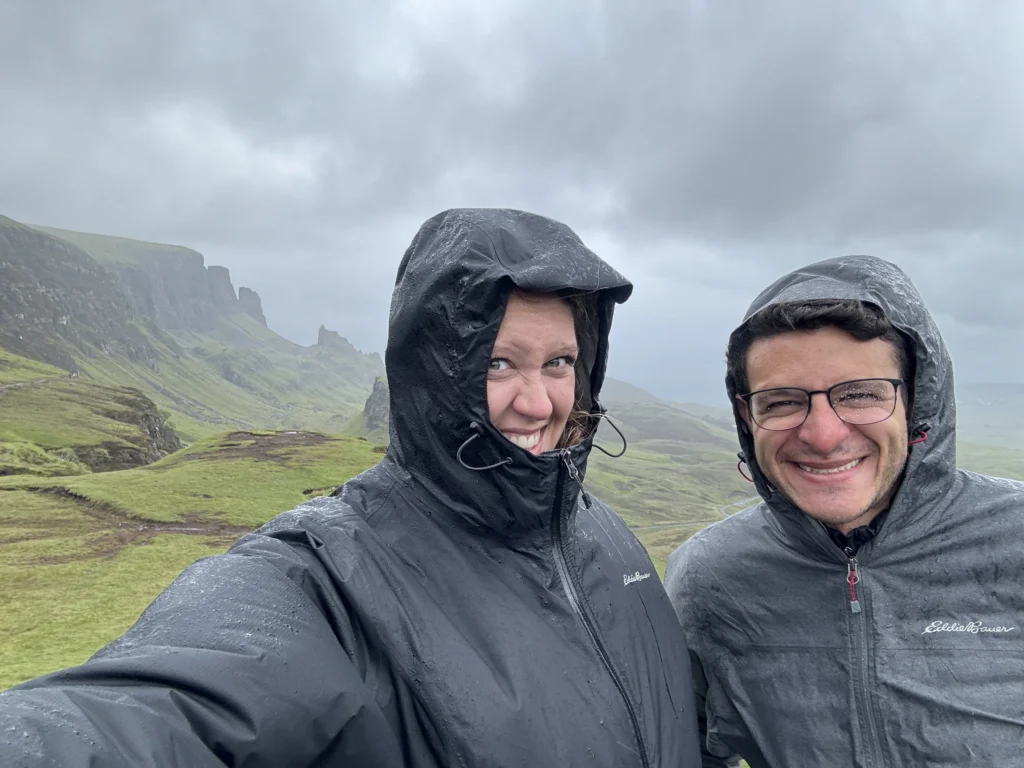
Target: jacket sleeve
679 588
700 689
235 663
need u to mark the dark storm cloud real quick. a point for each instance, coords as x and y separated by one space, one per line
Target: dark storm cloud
705 147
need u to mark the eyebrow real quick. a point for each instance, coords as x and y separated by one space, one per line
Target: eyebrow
510 347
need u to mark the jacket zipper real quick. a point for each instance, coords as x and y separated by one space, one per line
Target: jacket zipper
860 636
571 593
853 579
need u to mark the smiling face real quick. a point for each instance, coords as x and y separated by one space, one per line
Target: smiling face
838 473
531 384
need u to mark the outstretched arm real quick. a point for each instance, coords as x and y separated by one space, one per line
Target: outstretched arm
236 663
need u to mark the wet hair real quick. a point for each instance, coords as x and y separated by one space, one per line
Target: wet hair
580 422
861 320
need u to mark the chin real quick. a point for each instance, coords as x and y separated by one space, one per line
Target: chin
831 516
832 511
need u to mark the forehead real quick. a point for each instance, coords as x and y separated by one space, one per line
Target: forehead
818 359
536 313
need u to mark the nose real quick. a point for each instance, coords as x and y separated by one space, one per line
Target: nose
823 430
532 401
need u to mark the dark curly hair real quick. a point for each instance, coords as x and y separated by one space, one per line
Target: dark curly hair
861 320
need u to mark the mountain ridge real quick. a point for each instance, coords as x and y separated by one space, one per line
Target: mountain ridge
156 317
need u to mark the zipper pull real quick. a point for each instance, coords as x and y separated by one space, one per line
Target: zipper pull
575 475
853 579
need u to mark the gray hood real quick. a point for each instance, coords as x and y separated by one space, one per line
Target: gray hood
909 654
929 471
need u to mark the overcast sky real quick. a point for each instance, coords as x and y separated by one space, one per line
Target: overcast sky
702 147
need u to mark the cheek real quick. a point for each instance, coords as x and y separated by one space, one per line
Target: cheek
892 441
499 397
562 393
766 446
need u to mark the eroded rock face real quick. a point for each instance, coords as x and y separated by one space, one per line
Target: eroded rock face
154 440
59 304
176 291
251 304
56 301
377 411
222 292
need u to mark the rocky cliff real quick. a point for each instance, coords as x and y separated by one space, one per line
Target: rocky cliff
65 295
153 440
250 303
169 285
156 317
377 411
56 300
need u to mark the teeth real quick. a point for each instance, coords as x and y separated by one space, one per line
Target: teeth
831 471
526 442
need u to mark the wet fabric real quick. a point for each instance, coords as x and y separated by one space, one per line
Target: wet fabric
930 671
850 543
425 614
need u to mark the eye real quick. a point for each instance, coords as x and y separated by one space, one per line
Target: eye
775 404
500 364
563 361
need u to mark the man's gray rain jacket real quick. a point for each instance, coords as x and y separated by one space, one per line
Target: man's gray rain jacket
426 615
930 672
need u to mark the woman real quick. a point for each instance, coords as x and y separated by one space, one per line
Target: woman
462 603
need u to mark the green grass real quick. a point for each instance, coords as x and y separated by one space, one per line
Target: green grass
79 569
64 413
64 426
20 458
117 250
59 615
15 369
243 376
209 479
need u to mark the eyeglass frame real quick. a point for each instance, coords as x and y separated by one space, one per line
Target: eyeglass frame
896 384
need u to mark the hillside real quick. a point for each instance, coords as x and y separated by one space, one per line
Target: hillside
991 414
55 424
155 317
80 557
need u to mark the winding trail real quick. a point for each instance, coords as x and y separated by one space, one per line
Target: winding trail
723 511
33 383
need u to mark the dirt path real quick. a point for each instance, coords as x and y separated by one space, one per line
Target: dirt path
34 383
109 529
742 504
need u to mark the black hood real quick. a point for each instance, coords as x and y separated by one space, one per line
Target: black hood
450 295
932 464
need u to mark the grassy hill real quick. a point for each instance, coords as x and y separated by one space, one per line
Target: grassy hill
80 557
53 424
155 317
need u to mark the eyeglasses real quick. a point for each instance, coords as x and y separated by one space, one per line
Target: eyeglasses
859 402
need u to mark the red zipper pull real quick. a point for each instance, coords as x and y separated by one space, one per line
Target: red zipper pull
853 578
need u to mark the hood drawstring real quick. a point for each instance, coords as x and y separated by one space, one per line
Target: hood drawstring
739 466
564 452
604 415
477 432
922 430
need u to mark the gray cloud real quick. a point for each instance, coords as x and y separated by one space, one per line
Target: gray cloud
704 147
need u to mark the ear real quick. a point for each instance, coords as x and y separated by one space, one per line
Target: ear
741 406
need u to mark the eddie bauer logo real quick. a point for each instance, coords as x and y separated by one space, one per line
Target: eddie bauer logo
627 579
971 627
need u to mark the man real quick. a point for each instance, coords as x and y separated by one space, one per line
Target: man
870 611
